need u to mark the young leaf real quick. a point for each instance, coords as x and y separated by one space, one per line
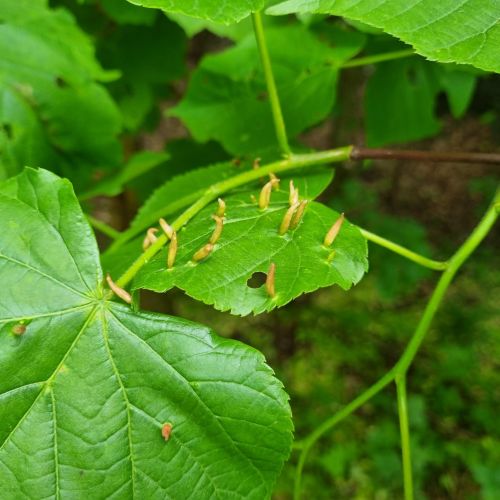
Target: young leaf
249 244
465 31
227 97
53 112
110 403
220 11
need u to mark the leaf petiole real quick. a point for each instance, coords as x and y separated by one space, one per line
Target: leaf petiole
404 252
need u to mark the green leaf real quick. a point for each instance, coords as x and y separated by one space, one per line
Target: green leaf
236 31
53 113
346 42
86 385
249 243
462 31
192 26
125 13
227 98
400 98
400 101
220 11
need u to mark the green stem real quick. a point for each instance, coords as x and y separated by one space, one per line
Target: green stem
405 436
404 252
290 163
191 198
103 227
377 58
279 122
401 367
460 256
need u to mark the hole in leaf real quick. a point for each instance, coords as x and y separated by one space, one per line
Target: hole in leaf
262 96
61 82
7 128
257 280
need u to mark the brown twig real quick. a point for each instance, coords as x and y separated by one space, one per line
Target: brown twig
360 153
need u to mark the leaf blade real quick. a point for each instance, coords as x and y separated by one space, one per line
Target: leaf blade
87 413
249 243
465 32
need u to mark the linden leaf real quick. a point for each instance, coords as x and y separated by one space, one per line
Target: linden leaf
462 31
249 244
89 388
